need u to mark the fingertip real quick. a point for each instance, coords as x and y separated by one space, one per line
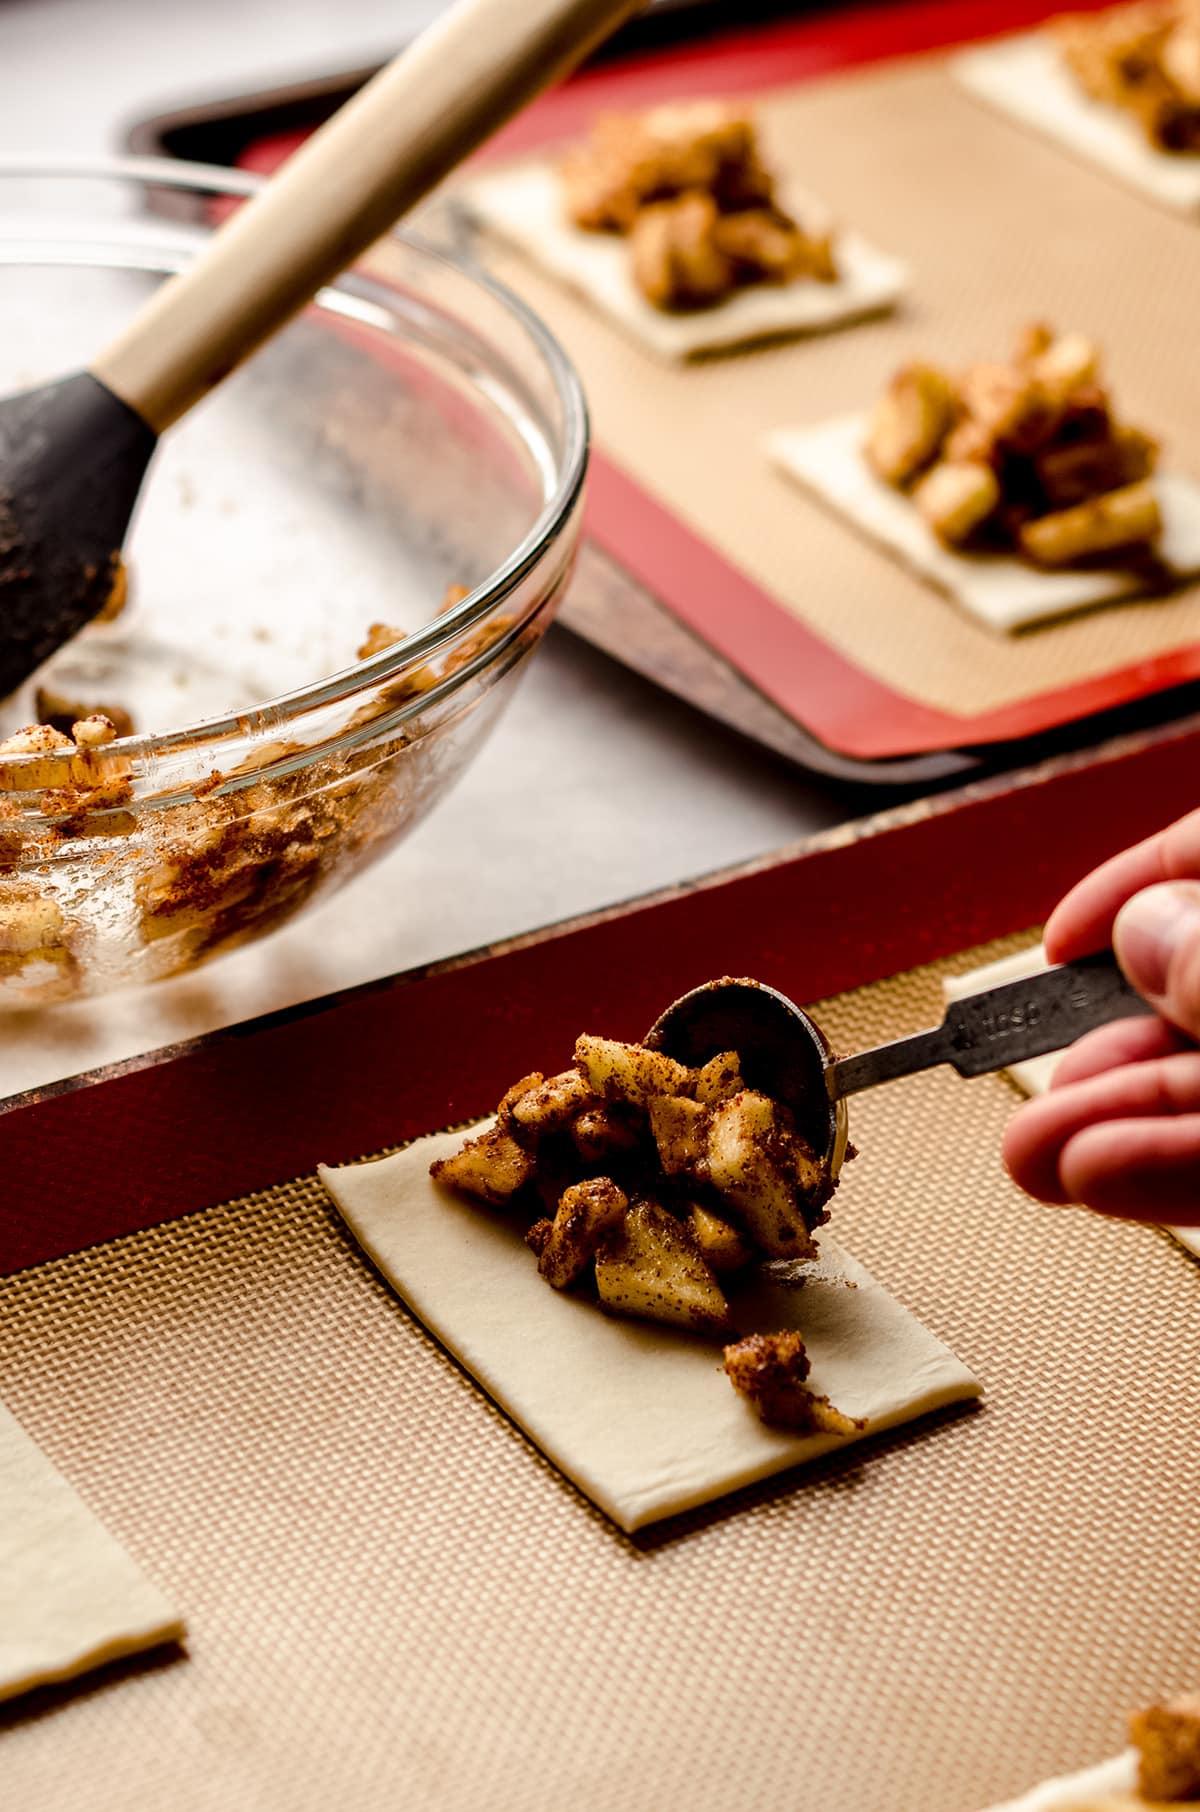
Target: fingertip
1156 937
1124 1041
1030 1155
1144 1170
1061 937
1156 1097
1082 921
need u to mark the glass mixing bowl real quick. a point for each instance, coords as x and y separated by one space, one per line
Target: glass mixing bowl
409 453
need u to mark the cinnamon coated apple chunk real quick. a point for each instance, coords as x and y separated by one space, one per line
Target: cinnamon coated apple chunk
651 1187
772 1371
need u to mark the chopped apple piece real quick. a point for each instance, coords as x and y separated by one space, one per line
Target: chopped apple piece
910 422
585 1214
723 1247
1105 524
512 1095
770 1370
675 258
1003 400
680 1129
537 1235
756 1161
1066 365
629 1072
649 1267
549 1104
602 1133
492 1168
720 1078
30 925
956 497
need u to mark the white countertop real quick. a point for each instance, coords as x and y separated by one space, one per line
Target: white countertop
679 796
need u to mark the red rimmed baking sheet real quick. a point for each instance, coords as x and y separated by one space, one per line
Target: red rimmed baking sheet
794 50
848 706
97 1157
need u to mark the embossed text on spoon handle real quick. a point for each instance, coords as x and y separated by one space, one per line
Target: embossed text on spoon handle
1004 1025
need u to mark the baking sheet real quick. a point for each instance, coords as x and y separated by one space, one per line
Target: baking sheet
373 1561
1034 235
394 1598
700 622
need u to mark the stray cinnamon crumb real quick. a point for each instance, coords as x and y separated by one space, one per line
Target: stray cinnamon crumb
771 1370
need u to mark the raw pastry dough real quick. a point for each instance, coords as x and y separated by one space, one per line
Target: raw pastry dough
70 1597
642 1419
524 205
1035 1075
1110 1787
1026 78
1002 592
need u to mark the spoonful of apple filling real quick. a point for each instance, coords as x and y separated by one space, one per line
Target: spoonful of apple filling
653 1184
790 1058
654 1176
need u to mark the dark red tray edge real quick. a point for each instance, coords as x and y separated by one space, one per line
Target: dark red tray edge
109 1153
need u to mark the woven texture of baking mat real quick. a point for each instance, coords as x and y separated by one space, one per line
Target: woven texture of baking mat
395 1601
999 228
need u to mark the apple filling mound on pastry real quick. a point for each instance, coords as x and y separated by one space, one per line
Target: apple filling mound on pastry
652 1186
1143 58
686 184
1024 456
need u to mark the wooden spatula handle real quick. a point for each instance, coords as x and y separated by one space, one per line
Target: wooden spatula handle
384 150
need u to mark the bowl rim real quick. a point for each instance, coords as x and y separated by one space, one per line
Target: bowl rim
273 714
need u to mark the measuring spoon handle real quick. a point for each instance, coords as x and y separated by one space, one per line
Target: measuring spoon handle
1009 1024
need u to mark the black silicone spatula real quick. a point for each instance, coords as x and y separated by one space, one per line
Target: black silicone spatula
73 454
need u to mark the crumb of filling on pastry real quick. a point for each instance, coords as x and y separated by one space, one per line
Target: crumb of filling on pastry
771 1371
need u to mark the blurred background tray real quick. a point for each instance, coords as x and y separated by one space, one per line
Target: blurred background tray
393 1597
694 575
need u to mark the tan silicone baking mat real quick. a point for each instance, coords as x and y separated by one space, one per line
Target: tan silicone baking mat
999 228
394 1601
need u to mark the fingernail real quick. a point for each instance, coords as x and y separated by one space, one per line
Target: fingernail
1151 927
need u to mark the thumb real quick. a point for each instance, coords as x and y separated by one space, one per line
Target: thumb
1157 942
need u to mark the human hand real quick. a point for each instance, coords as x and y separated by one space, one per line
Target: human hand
1119 1130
